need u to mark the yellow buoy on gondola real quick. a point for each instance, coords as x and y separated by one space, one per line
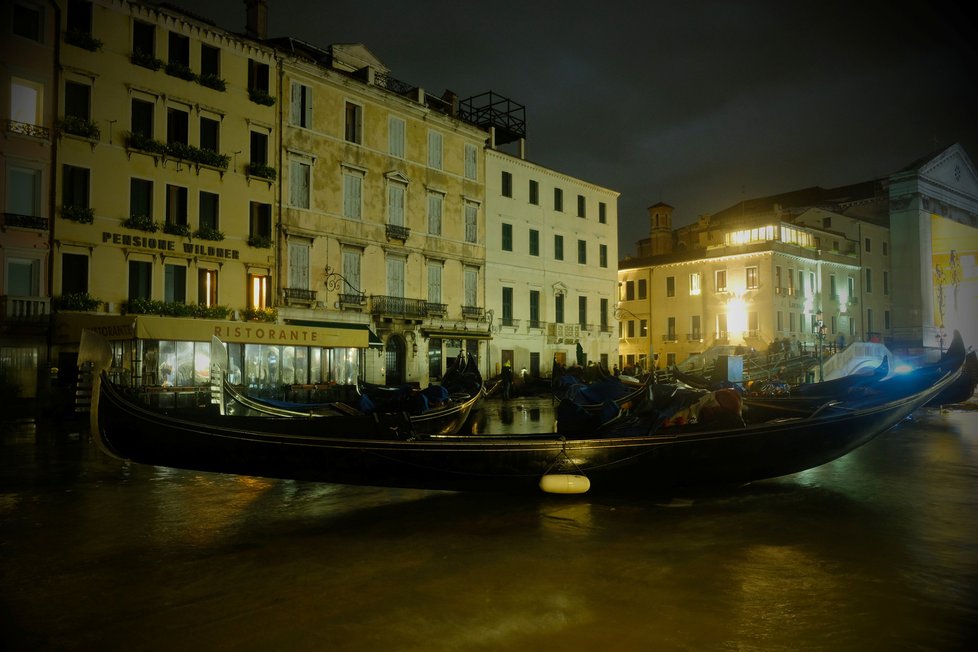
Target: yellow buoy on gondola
565 483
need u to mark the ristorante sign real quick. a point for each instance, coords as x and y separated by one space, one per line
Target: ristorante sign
151 243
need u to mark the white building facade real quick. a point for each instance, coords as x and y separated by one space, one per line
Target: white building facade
551 267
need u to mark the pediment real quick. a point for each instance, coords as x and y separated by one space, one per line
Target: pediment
397 176
952 169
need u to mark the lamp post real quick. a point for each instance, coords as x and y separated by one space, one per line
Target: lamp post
818 328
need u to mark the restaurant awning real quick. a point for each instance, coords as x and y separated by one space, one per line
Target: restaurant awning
457 333
68 327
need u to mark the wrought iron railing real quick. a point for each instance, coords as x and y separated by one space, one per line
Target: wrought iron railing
27 129
472 312
397 232
397 306
25 221
300 294
390 83
436 309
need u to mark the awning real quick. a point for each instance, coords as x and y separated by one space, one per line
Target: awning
456 333
68 327
372 338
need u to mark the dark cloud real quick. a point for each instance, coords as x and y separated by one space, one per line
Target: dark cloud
698 104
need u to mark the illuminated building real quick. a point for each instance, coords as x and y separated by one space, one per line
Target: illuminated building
889 260
551 249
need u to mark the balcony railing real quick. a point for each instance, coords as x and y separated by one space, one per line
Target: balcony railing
25 309
396 232
694 337
471 312
436 309
25 221
397 306
509 322
349 300
27 129
300 294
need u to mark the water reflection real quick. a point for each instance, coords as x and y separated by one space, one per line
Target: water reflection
526 415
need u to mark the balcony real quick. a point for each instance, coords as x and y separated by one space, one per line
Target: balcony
472 312
25 221
437 309
670 337
509 322
30 310
396 232
695 336
299 295
356 300
398 306
27 129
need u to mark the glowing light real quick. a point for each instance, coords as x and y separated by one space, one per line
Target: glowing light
736 315
902 369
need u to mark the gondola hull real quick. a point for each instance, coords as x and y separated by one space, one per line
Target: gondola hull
388 452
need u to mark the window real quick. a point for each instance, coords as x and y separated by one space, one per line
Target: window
694 284
210 61
471 290
471 162
869 246
721 333
471 222
178 53
396 193
869 282
177 126
643 288
751 273
207 287
79 18
352 194
559 308
435 202
26 105
629 290
260 224
351 270
670 286
558 247
257 76
141 117
720 280
885 252
833 292
300 114
259 148
140 198
631 328
78 100
395 136
801 282
23 277
210 134
507 237
869 321
694 328
534 242
582 252
23 191
209 211
534 308
507 306
886 282
258 289
298 265
643 327
507 184
434 150
581 206
582 311
176 205
791 282
671 329
603 255
435 270
27 21
175 283
534 193
602 212
74 274
558 199
140 280
74 186
886 319
143 39
299 178
604 315
777 279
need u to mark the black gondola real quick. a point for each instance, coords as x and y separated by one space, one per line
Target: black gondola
628 455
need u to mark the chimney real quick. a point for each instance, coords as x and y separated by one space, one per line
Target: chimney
256 18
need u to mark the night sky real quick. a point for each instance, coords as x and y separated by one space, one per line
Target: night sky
697 104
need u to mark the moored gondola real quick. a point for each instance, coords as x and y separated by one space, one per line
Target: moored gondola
629 454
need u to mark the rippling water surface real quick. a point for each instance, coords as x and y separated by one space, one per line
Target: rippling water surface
878 550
